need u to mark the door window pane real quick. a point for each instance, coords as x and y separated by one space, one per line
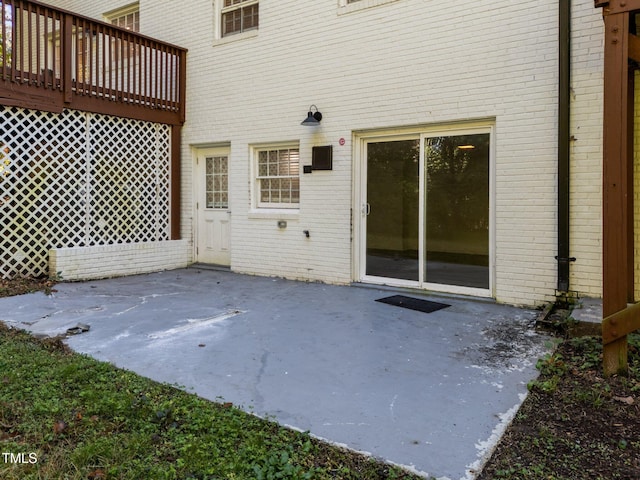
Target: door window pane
216 182
393 171
457 210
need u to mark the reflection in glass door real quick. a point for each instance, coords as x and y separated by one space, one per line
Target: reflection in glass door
393 204
426 213
457 210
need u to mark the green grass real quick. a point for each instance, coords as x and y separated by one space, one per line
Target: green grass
84 419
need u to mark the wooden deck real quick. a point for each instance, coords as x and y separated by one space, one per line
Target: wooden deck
52 59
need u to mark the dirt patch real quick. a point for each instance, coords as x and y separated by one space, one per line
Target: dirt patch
504 344
22 285
575 424
52 344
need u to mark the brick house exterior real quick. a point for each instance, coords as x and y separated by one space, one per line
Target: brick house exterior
386 74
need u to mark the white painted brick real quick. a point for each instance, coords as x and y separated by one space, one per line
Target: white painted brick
586 160
84 263
397 64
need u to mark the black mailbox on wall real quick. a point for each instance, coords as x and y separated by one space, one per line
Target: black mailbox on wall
322 158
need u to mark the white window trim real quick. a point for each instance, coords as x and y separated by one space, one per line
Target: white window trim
233 38
121 12
219 39
259 208
344 7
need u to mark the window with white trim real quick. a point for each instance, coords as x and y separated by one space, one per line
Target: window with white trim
237 16
127 17
277 176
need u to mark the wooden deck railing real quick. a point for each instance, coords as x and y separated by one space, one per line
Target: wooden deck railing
51 59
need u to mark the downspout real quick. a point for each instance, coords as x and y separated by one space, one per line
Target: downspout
564 86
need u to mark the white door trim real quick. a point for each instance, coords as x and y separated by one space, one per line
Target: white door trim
200 153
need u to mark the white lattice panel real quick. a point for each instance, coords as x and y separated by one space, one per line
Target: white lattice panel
78 179
129 181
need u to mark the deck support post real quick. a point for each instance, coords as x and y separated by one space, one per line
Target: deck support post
174 202
617 222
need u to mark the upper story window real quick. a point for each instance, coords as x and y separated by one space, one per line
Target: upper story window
127 17
239 16
347 6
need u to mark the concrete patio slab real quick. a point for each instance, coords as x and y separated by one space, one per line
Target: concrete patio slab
588 310
429 391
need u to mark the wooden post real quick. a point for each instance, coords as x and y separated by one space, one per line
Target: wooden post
182 86
630 178
176 147
617 167
67 62
176 155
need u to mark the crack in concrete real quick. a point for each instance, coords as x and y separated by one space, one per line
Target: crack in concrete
258 398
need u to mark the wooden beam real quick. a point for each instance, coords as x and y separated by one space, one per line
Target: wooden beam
621 324
613 7
16 95
616 168
23 96
174 202
615 163
631 241
126 110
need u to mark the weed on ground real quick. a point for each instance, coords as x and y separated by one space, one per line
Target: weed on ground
22 285
575 424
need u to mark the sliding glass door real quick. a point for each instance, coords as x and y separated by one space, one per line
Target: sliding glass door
427 210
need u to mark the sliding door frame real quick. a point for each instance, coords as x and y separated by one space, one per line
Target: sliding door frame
420 133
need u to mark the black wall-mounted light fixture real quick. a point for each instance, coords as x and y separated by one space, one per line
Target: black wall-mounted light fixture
313 118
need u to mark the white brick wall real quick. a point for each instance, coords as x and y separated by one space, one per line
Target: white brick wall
390 66
398 64
586 150
85 263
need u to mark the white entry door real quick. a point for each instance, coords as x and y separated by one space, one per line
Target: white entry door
212 205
